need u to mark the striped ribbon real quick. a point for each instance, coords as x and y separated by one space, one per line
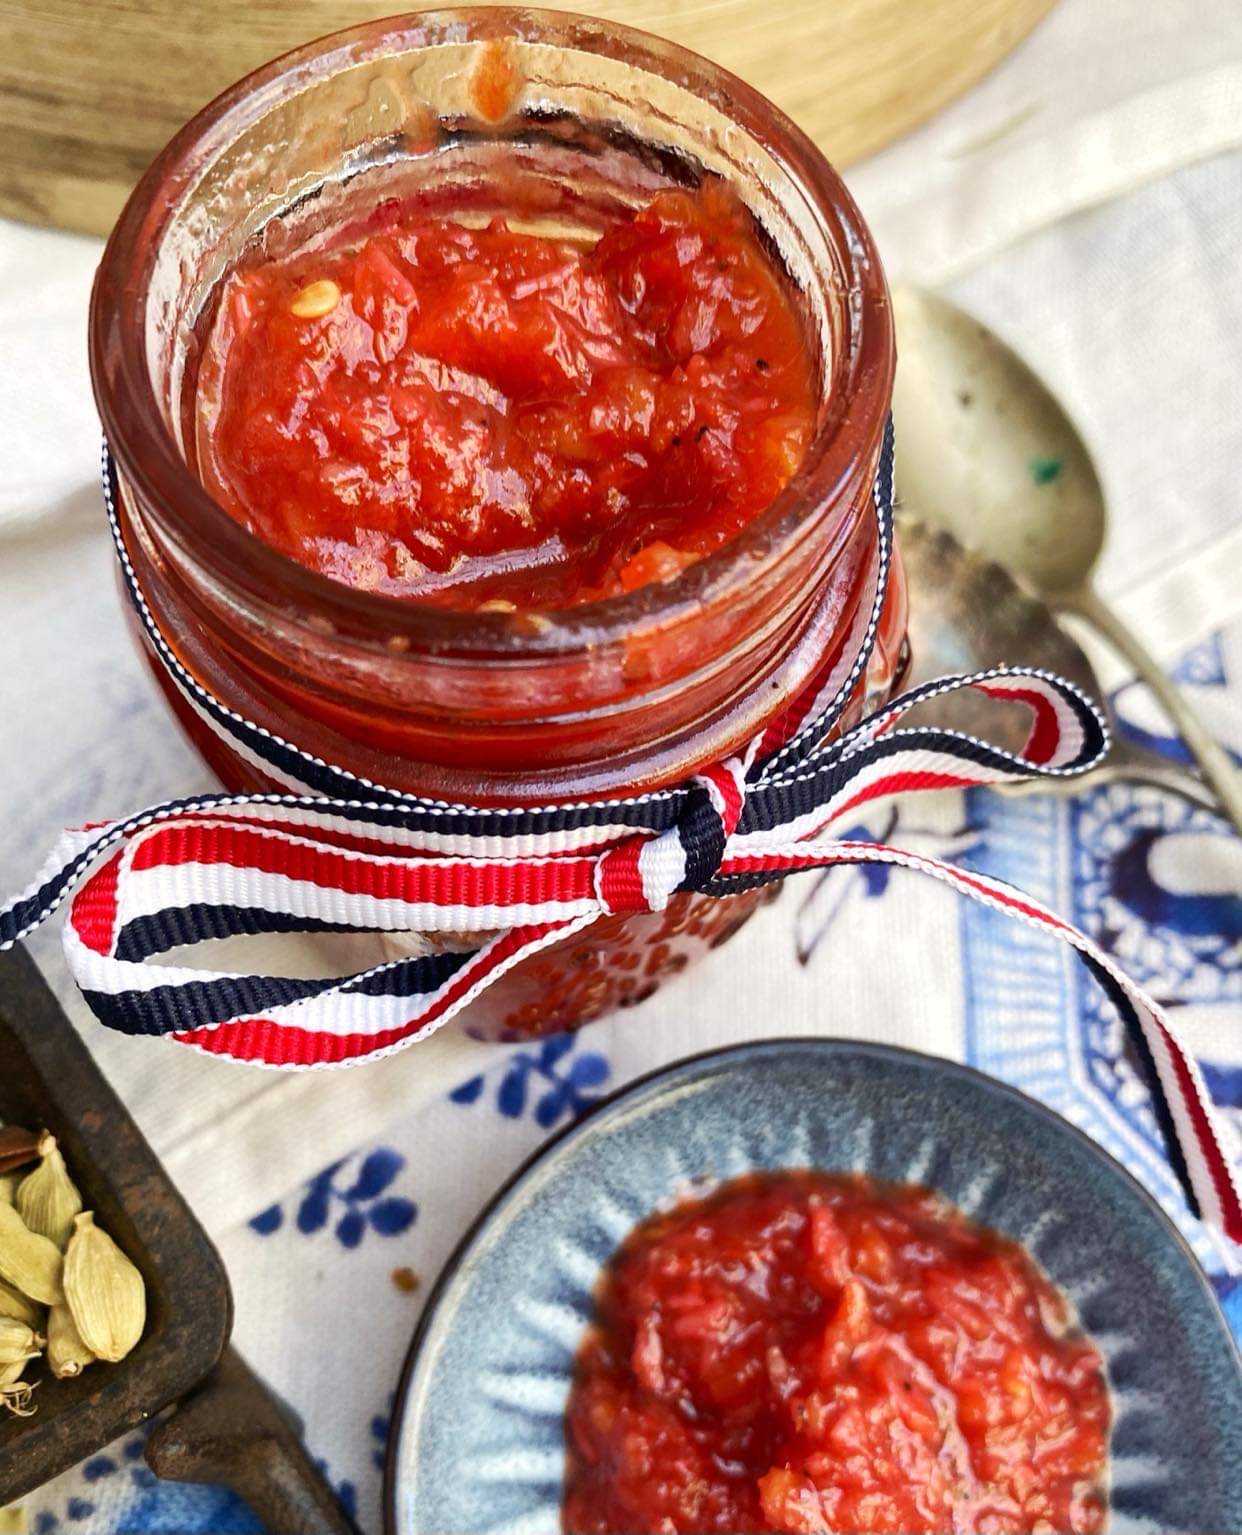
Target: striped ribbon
339 853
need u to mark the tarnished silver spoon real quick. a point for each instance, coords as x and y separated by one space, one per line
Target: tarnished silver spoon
989 454
966 614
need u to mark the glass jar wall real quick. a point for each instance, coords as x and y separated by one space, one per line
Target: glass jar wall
564 122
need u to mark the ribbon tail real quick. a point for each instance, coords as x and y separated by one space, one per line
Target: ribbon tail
1201 1146
290 1023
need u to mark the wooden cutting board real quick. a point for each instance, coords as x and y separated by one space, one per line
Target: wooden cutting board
89 92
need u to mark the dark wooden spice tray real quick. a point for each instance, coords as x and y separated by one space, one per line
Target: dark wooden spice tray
230 1430
48 1080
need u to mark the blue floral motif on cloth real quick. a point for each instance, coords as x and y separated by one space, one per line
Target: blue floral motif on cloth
381 1424
116 1493
352 1197
547 1079
1183 942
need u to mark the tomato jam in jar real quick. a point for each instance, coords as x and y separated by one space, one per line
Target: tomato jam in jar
495 396
821 1352
496 420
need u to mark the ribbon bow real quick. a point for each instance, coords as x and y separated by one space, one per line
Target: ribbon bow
339 854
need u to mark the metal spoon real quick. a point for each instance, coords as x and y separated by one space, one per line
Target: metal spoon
987 453
966 614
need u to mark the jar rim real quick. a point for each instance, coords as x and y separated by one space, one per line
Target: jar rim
150 459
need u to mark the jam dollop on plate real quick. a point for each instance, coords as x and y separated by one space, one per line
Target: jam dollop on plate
810 1351
494 417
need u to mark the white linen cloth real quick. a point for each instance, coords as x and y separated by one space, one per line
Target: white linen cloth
1086 201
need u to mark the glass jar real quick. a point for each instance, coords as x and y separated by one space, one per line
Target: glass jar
568 120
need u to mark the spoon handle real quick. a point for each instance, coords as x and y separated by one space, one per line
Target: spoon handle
1127 763
1217 767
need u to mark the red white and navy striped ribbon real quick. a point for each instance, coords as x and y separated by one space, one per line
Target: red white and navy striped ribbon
337 853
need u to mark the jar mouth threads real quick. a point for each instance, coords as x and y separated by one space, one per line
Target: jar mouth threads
595 98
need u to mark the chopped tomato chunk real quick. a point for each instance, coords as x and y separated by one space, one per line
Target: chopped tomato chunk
467 415
820 1353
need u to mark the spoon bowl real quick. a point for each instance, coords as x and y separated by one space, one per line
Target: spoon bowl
987 451
989 455
967 614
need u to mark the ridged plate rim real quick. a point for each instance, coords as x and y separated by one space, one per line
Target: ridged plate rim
669 1080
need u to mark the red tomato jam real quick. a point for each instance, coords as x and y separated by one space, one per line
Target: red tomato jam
820 1352
484 416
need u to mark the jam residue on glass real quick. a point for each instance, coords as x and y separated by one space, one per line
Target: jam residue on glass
486 417
809 1351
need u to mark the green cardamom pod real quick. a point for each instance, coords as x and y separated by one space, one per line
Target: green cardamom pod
66 1353
8 1187
29 1262
104 1291
47 1199
18 1306
18 1342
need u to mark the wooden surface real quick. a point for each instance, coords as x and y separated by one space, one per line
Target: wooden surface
91 89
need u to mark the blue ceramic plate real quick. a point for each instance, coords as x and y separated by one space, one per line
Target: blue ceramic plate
477 1444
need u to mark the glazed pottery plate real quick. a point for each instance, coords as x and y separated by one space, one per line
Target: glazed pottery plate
478 1442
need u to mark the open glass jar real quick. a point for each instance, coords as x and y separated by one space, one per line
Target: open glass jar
565 121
